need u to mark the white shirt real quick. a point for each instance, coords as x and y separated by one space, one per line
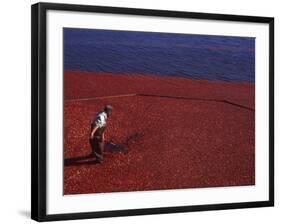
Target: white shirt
101 119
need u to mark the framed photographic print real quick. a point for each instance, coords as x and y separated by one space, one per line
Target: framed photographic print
139 111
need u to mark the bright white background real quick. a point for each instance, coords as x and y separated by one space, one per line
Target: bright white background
15 110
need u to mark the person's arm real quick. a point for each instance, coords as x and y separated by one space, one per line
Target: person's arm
103 137
93 132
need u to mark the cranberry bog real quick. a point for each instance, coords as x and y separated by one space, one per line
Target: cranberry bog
164 133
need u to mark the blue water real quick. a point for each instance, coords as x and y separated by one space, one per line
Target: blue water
191 56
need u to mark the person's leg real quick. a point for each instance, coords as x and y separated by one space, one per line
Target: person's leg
92 144
99 151
101 147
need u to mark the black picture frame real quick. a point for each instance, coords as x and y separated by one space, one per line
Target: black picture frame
38 108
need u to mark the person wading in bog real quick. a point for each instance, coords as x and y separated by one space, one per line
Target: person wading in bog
98 127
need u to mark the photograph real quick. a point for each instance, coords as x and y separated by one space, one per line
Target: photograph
147 111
